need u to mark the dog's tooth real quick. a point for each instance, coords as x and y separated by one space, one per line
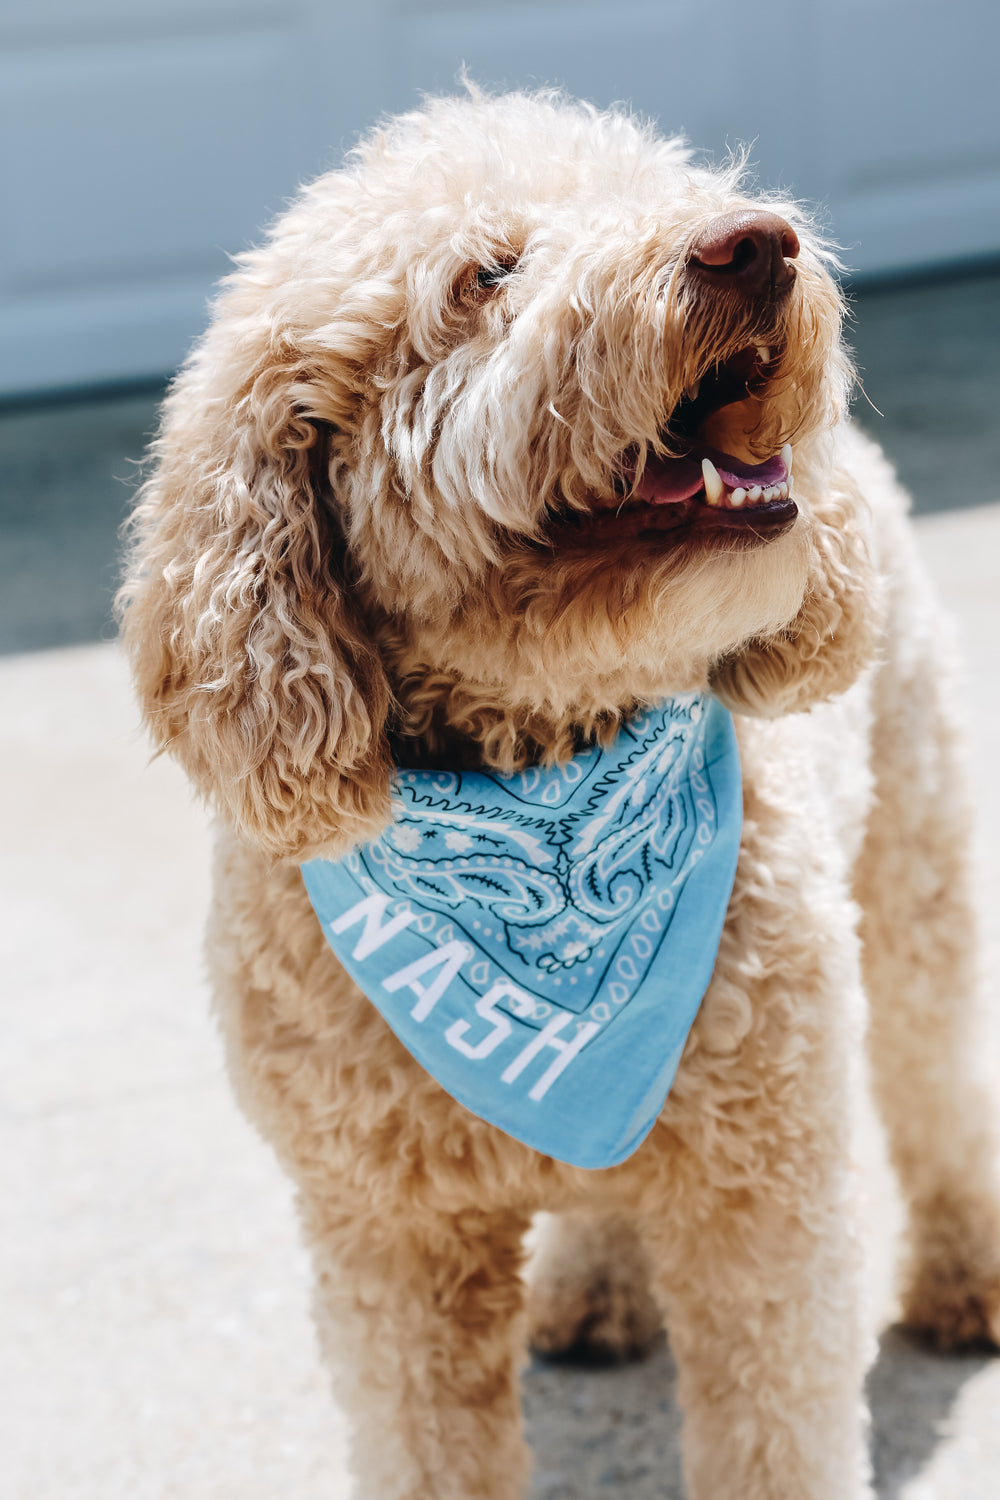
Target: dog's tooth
754 492
786 458
763 354
737 497
714 487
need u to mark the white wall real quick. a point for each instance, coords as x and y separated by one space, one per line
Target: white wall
142 140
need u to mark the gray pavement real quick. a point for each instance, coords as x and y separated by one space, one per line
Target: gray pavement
155 1342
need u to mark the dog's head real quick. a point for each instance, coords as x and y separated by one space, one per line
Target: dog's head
487 444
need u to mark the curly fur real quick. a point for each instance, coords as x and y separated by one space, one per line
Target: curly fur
357 547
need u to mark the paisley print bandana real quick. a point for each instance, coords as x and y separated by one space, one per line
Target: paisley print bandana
541 942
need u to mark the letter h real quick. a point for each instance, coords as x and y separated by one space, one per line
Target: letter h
548 1037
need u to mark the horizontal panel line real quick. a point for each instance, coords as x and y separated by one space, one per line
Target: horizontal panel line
125 31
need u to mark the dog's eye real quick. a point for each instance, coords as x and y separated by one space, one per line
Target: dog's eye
479 284
488 277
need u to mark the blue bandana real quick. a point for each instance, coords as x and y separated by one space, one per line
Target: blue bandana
541 942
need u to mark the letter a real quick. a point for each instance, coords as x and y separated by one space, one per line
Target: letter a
449 957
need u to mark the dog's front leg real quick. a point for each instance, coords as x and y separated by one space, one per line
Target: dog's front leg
764 1325
420 1320
752 1223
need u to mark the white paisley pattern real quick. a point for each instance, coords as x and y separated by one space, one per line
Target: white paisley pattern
567 877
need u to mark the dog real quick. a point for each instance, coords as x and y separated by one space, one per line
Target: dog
521 424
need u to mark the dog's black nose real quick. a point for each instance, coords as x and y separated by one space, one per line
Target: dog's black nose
748 250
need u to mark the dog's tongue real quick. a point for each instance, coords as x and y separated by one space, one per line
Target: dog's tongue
669 479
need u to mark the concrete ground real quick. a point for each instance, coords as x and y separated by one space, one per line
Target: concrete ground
155 1342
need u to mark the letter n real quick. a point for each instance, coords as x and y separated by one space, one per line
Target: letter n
372 909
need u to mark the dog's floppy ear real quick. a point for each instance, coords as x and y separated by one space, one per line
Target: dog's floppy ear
250 657
835 633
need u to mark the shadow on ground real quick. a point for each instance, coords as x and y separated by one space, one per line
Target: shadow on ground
69 469
913 1392
616 1430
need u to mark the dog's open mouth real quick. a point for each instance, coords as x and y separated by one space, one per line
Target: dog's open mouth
704 490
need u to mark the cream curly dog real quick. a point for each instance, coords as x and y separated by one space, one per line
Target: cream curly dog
422 496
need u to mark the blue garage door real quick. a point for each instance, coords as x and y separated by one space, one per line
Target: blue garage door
142 141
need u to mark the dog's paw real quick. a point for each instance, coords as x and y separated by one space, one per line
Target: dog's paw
954 1307
954 1310
601 1323
589 1297
952 1282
